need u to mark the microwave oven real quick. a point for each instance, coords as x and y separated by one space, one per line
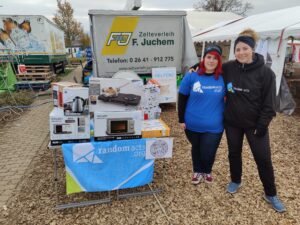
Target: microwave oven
120 126
117 125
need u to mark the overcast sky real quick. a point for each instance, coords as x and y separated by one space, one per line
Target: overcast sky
81 7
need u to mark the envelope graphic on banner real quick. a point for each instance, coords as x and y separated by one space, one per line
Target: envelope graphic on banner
85 153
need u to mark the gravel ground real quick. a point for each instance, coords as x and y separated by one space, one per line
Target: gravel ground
180 202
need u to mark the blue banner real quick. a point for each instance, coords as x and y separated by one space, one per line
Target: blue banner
105 166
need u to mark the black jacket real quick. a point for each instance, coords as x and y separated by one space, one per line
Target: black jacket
250 93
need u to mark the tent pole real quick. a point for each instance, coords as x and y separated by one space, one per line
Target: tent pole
203 47
231 51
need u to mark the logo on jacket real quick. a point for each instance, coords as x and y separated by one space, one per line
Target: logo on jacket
230 88
197 87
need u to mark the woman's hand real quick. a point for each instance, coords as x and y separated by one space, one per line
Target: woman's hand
182 125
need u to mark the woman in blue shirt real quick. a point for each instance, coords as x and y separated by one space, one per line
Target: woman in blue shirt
200 112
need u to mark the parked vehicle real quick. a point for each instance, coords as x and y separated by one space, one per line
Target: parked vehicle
139 41
32 40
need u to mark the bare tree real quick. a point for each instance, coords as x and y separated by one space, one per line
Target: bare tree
64 20
235 6
85 40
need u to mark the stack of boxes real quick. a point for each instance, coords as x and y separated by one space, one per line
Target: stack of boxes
119 108
116 104
70 118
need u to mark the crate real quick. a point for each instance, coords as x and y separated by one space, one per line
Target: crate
35 76
38 68
35 85
36 73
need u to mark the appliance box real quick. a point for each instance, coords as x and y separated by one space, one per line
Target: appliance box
75 101
155 128
57 92
115 94
68 129
117 125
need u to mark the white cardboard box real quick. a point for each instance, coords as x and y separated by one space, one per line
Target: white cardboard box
67 129
117 125
115 94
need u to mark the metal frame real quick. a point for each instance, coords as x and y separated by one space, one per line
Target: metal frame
73 204
144 193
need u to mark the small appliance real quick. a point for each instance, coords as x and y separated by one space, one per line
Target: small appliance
68 129
117 125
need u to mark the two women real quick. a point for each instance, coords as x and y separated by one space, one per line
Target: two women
249 109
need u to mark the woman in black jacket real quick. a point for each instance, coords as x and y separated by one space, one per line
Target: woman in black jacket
248 112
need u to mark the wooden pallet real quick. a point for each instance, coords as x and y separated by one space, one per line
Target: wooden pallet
38 69
41 76
36 73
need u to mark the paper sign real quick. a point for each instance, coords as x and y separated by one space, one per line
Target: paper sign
159 148
166 80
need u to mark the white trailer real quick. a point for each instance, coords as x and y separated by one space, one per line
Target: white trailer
140 41
33 38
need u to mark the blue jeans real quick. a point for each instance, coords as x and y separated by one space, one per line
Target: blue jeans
204 148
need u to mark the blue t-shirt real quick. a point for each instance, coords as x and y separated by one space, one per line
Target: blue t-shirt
205 105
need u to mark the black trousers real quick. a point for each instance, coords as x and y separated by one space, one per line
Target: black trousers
260 147
204 148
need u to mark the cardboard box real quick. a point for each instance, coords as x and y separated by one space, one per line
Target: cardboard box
57 92
155 128
115 95
75 101
117 125
68 129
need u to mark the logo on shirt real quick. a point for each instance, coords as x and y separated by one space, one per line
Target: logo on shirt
230 88
197 87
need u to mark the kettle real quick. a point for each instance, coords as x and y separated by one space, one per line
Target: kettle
78 105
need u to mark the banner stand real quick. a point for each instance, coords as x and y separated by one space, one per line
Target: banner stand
58 206
109 198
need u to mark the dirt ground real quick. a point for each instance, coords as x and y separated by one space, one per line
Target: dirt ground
180 202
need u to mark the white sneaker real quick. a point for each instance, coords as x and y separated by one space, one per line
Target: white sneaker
197 177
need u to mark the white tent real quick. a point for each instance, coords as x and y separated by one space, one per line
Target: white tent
200 20
274 29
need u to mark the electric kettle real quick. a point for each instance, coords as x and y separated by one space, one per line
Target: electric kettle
78 105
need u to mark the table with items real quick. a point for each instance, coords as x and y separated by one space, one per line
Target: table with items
107 145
